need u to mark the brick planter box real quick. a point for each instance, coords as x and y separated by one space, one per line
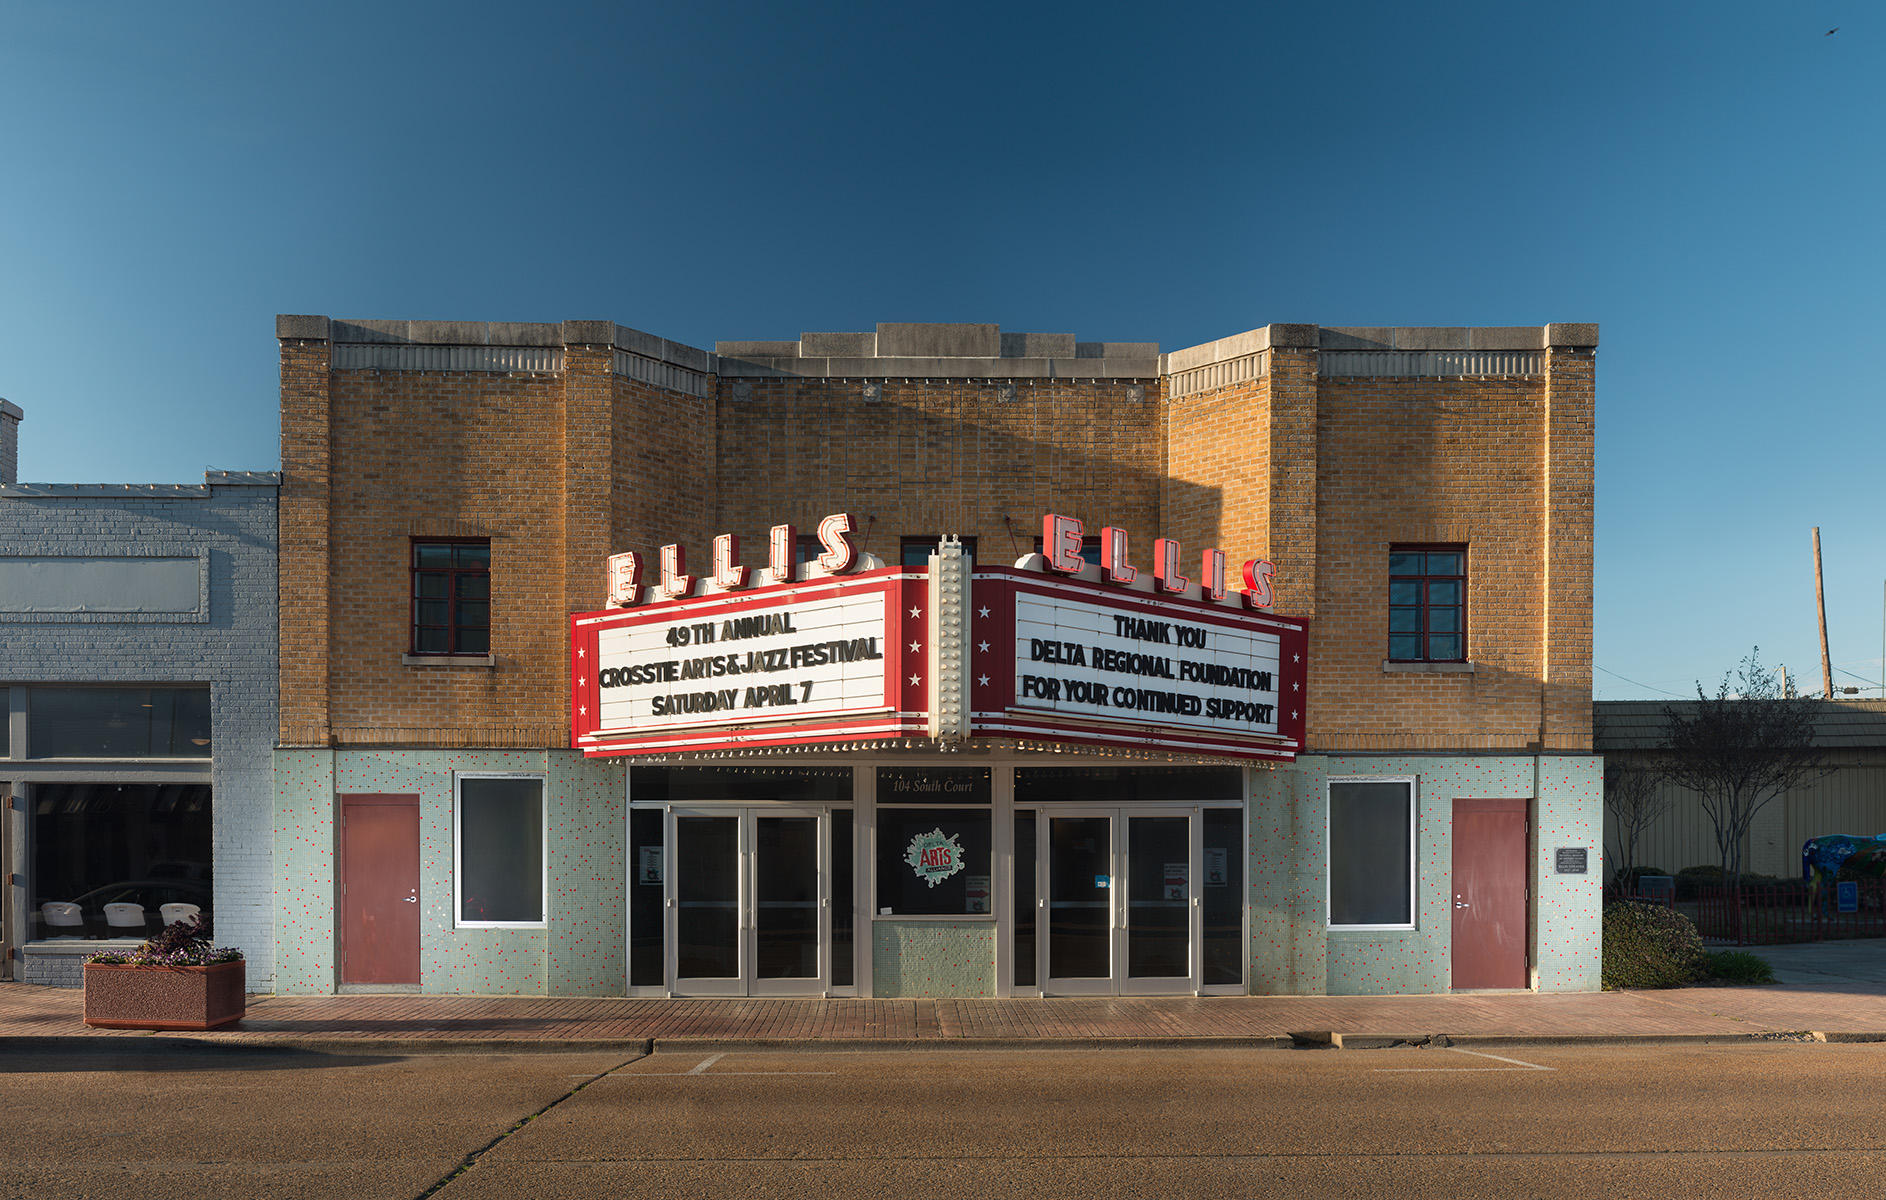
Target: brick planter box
122 996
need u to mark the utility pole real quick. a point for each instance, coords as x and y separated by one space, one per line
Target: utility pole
1820 602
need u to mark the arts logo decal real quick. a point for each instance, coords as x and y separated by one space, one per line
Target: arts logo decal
934 857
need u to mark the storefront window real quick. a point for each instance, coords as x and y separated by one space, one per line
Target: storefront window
1371 854
109 858
645 896
500 872
119 722
784 785
1222 898
1127 785
934 842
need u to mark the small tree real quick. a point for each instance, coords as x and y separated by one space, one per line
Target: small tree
1634 797
1741 749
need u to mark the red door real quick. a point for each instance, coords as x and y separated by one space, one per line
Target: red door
1490 893
379 871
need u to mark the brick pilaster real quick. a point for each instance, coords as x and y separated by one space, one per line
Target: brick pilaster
304 524
1565 583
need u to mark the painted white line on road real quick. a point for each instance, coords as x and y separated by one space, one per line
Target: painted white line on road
1517 1065
710 1061
727 1074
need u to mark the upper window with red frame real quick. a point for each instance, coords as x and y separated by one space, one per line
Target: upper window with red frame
1427 603
452 596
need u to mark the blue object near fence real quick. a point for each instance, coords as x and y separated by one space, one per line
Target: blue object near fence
1847 896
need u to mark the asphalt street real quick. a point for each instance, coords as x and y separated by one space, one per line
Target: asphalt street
1755 1120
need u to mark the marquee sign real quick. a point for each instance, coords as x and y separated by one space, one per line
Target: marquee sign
1052 650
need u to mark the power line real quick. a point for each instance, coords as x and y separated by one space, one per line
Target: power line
1635 683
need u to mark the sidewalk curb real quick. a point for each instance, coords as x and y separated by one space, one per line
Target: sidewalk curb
724 1045
158 1043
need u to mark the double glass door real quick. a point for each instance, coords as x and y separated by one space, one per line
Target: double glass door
1120 909
749 901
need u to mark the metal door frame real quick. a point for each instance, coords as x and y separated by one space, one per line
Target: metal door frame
1119 818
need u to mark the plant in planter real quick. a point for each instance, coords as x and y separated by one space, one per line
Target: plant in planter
175 980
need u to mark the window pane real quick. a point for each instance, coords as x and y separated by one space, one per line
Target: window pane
1223 896
1444 647
431 641
88 722
6 722
1024 899
797 785
1126 785
1404 593
474 641
432 554
1443 620
474 587
647 930
1444 564
937 837
1404 564
844 900
1405 647
933 785
98 844
1443 593
474 612
430 612
1369 854
471 556
501 851
430 583
1404 620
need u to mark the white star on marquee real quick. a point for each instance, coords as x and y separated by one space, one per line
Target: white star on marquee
1293 714
982 680
916 612
583 711
1296 687
581 682
915 679
983 646
580 652
983 611
1296 658
915 646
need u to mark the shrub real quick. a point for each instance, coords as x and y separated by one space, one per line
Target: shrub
1739 966
1649 946
1627 880
1691 880
178 944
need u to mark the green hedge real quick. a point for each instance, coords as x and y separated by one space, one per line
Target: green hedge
1649 946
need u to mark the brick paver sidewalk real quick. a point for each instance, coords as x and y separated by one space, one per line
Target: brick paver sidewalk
27 1011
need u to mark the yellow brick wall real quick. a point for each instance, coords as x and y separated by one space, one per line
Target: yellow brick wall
942 457
1321 476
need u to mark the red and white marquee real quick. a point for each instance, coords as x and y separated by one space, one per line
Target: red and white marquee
1053 650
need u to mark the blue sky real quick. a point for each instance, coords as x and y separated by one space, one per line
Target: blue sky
1702 180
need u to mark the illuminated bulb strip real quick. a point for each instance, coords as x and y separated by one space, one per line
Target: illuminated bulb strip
949 641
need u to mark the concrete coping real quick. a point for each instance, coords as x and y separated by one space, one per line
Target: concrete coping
548 334
1382 337
188 491
918 350
12 410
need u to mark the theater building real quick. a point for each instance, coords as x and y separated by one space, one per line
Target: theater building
935 661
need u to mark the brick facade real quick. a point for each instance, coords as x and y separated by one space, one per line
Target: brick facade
229 526
616 440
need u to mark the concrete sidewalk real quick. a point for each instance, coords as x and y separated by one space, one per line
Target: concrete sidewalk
1837 995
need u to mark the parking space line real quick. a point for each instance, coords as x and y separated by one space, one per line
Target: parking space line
706 1063
1518 1065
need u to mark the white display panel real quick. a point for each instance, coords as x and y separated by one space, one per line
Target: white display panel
785 662
1137 665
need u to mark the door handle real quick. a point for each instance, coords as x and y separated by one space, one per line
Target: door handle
410 900
1462 904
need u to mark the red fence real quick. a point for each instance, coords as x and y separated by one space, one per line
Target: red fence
1757 915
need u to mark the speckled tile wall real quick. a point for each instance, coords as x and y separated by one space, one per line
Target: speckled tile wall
579 952
933 958
1294 953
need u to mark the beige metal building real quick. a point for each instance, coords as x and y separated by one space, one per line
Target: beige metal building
1850 798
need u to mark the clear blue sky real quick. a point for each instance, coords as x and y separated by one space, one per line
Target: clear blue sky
1703 180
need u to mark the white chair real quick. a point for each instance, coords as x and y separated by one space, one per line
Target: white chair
63 919
125 915
177 911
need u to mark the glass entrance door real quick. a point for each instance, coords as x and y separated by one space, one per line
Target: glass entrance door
749 902
1120 905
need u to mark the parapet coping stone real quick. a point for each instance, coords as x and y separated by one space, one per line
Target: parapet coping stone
549 334
1382 337
10 409
147 491
918 350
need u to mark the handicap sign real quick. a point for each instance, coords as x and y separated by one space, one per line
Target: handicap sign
1847 896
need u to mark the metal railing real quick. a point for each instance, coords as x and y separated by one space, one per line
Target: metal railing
1768 914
